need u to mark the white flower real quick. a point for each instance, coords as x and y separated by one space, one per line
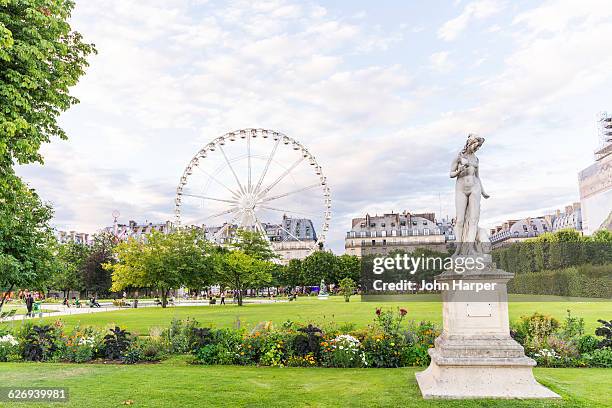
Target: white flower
9 339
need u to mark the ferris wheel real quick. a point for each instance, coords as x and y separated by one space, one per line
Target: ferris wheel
259 180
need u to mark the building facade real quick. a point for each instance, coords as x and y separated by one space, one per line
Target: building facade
292 238
595 182
73 236
519 230
531 227
381 234
132 229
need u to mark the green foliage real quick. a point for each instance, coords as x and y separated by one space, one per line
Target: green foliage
347 287
558 250
95 277
253 244
239 271
40 59
600 358
70 261
319 265
586 280
162 261
26 241
605 331
184 336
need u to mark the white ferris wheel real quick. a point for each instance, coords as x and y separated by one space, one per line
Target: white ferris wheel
259 180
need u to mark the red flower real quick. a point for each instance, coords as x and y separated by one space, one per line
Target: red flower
403 312
378 312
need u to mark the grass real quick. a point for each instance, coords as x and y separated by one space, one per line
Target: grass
316 311
177 383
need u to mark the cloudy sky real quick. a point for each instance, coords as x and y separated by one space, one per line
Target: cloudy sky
382 93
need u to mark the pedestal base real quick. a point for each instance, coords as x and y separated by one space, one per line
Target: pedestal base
323 297
475 357
463 378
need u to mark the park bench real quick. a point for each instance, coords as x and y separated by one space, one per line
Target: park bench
8 315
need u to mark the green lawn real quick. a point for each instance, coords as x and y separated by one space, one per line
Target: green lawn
316 311
176 383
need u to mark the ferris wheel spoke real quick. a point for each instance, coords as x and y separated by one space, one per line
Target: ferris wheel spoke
210 198
234 194
249 161
287 211
226 226
276 197
230 211
288 232
265 171
232 169
280 178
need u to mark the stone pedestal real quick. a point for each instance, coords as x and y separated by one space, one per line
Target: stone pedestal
475 357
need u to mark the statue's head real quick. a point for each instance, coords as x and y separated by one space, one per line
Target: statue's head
473 143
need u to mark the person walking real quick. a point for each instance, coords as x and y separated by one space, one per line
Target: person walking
222 298
29 301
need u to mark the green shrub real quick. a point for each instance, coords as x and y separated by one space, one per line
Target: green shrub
600 358
116 343
587 344
594 281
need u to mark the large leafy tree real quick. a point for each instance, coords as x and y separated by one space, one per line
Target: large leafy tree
320 265
26 241
161 262
70 261
254 244
239 272
95 277
41 57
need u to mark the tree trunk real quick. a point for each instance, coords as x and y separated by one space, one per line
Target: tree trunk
5 296
164 298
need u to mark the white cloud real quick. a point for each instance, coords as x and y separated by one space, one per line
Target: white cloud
440 61
475 10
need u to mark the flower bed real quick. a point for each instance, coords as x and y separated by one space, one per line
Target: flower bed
390 341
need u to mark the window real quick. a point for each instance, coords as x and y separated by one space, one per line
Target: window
402 223
373 242
383 233
373 224
414 223
525 228
393 224
415 231
384 242
426 231
394 233
362 234
424 222
383 224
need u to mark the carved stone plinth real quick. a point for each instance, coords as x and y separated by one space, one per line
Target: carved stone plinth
475 357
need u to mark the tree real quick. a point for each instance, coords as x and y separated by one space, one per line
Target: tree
254 244
95 277
40 59
239 272
349 266
319 265
71 258
347 287
161 261
26 241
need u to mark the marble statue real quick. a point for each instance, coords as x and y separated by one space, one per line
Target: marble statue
468 190
475 356
322 288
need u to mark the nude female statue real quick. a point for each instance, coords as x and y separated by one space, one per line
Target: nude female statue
468 190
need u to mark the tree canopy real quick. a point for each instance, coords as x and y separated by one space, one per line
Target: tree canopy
41 57
25 238
162 261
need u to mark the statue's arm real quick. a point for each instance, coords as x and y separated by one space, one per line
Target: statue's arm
455 170
482 190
